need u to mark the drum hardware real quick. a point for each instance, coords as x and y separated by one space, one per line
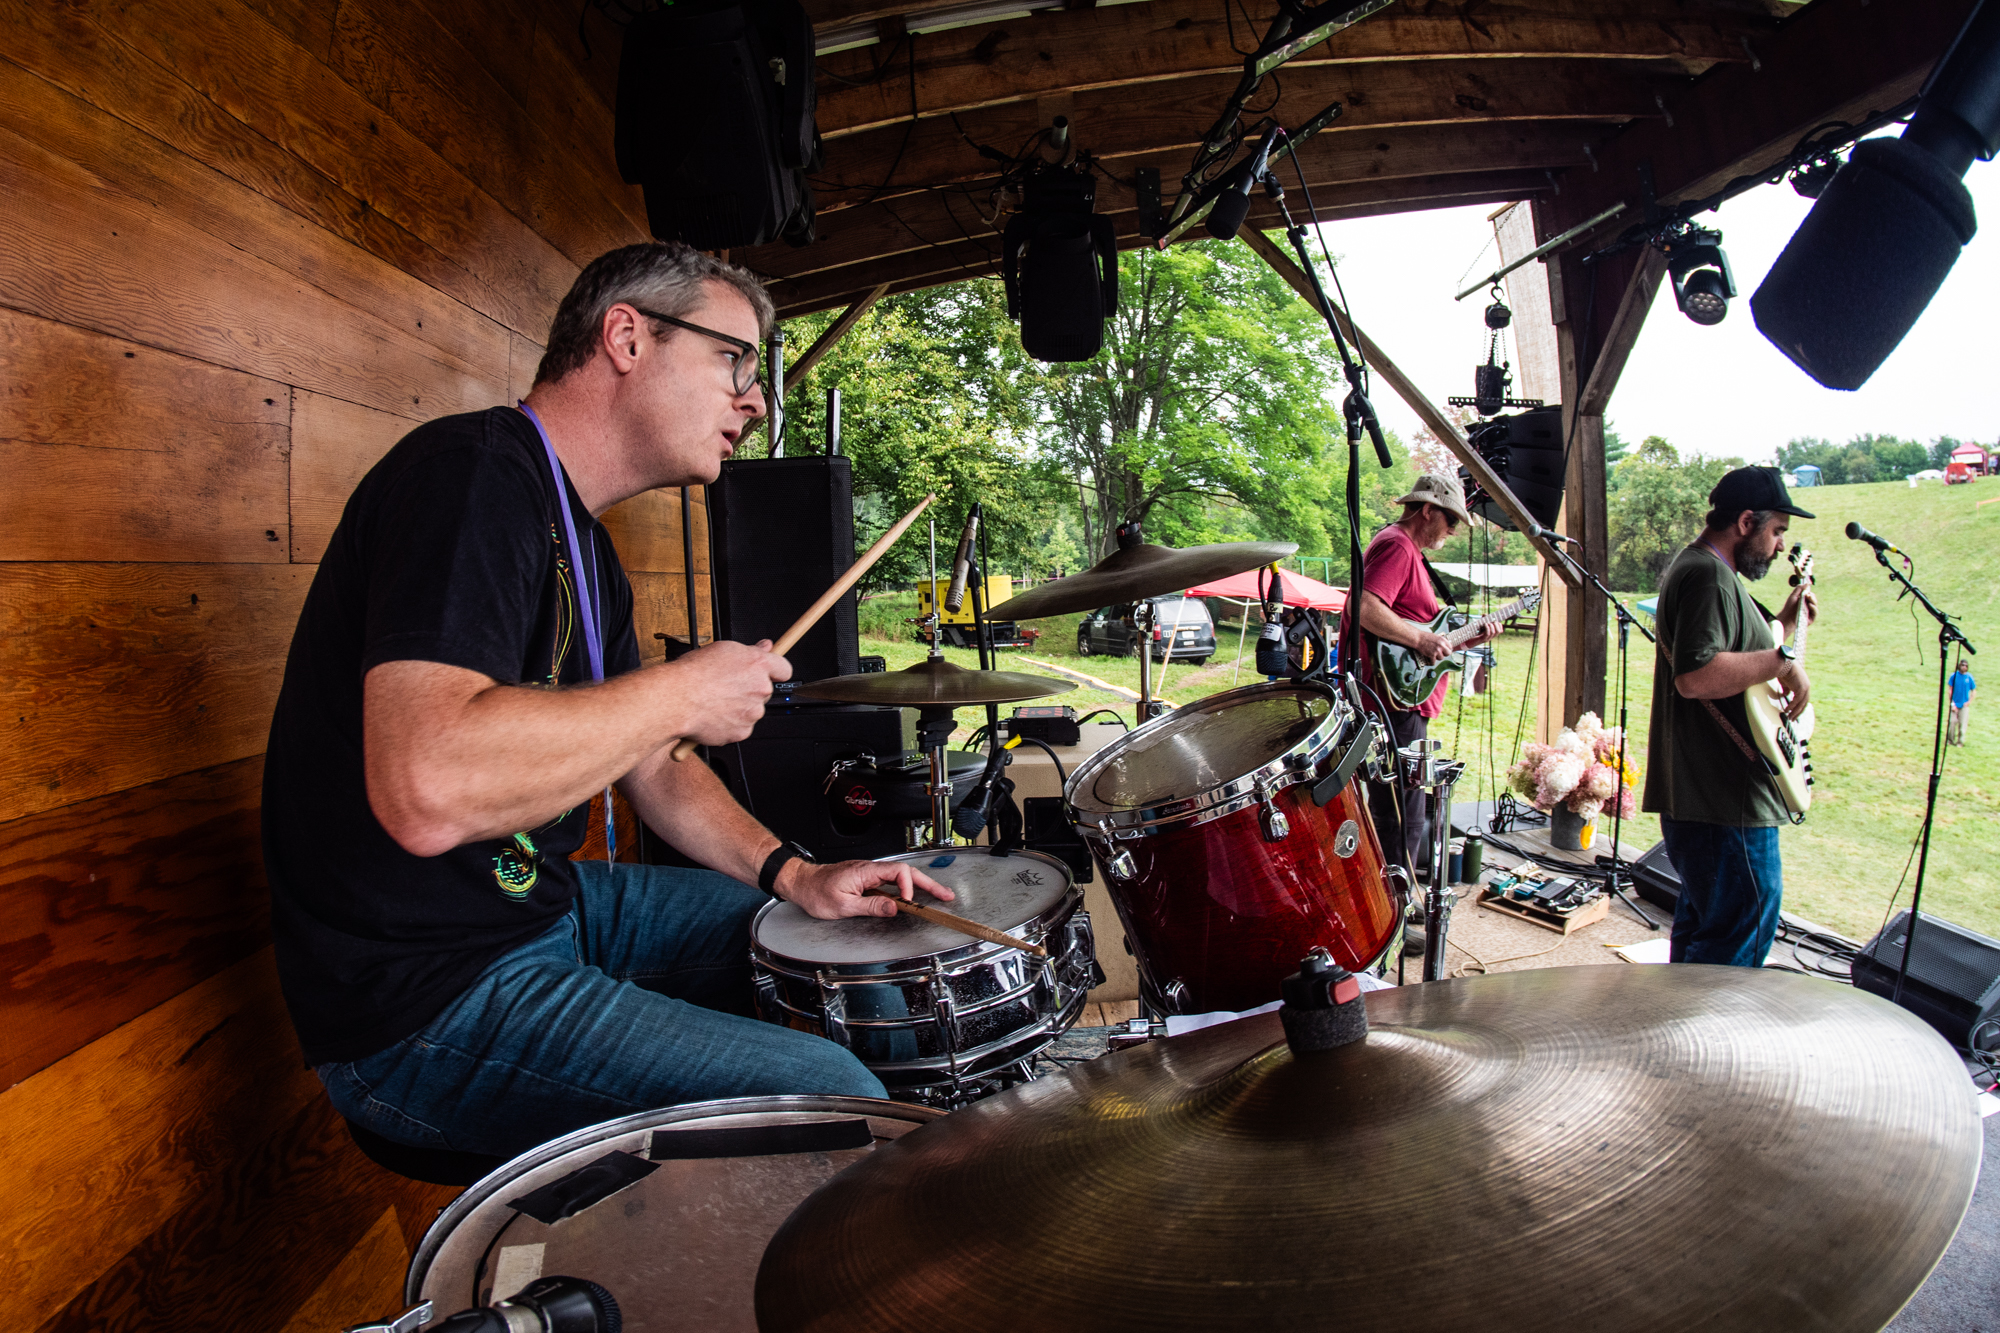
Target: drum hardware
1420 767
1276 827
1498 1123
546 1305
680 1244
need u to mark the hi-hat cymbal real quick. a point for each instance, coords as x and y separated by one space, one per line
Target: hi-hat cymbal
1138 572
933 682
1615 1148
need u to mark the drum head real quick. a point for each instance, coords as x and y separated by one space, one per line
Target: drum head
1200 746
677 1246
1004 892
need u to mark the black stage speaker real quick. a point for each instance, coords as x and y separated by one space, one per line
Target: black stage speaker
1656 879
1954 980
1526 449
782 530
716 108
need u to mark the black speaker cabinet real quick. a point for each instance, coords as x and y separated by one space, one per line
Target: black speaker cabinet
1954 980
1656 879
782 530
1526 449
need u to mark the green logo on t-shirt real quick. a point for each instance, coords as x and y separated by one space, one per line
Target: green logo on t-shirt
517 867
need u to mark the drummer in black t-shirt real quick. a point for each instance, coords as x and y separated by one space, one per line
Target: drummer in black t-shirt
457 981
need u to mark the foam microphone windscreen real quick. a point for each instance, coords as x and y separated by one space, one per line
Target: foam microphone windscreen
1225 219
1865 262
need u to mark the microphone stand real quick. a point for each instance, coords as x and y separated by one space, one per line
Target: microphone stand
1948 634
1615 868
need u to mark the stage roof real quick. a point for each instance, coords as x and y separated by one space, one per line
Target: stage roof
1440 104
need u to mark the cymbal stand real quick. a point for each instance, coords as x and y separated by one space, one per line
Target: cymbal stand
1948 634
935 724
1418 767
1616 872
1144 616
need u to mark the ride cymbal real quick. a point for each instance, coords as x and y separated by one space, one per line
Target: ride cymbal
1139 572
1616 1148
933 682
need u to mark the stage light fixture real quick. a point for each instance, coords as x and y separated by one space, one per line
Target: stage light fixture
1703 284
1059 265
1889 225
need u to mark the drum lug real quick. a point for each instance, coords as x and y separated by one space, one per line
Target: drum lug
767 994
1400 888
1119 864
1175 997
1081 955
833 1009
947 1014
1048 995
1276 827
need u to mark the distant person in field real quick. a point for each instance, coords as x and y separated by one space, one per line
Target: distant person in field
1963 687
1719 813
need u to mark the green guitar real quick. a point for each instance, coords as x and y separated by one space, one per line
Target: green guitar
1406 679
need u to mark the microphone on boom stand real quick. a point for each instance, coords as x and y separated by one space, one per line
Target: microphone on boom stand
961 564
1857 533
1232 201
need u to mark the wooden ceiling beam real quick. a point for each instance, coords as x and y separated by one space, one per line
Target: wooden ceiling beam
1114 124
1834 60
870 231
1078 50
956 258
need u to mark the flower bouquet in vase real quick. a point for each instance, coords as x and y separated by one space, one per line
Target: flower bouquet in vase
1574 779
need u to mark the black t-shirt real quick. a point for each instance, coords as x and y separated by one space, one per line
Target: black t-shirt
451 550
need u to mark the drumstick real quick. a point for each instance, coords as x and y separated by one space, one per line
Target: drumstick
826 599
958 923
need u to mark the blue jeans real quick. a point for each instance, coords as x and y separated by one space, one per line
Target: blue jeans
1731 884
639 998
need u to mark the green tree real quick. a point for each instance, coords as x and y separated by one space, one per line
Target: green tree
1210 401
1615 448
935 396
1657 509
1940 450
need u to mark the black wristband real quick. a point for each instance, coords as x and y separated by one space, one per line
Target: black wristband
767 878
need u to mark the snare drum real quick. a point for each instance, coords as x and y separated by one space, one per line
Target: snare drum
1224 869
937 1015
669 1210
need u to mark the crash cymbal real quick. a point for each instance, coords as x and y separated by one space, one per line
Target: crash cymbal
933 681
1616 1148
1138 572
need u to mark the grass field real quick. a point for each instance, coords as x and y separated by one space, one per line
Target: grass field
1874 674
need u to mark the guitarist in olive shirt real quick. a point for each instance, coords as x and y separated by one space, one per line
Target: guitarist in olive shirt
1719 812
1397 604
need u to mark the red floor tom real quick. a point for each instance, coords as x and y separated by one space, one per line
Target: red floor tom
1223 867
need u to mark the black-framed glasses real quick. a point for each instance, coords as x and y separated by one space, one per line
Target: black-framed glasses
744 368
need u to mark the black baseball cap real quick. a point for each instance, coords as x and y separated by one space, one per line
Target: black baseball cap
1754 488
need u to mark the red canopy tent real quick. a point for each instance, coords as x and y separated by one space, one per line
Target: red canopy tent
1299 590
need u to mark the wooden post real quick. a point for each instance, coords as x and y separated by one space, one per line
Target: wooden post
1575 620
834 333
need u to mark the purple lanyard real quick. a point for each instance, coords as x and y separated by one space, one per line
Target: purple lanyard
592 641
593 644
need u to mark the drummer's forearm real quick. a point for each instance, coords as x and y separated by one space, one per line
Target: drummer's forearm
687 804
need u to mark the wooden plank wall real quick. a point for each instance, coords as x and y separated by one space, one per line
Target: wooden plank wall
244 246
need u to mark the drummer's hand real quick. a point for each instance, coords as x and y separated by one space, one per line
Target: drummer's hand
841 889
731 681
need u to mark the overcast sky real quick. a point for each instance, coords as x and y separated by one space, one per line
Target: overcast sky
1717 391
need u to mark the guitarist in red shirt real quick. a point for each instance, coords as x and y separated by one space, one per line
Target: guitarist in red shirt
1398 602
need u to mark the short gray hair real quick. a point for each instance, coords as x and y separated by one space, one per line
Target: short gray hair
663 276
